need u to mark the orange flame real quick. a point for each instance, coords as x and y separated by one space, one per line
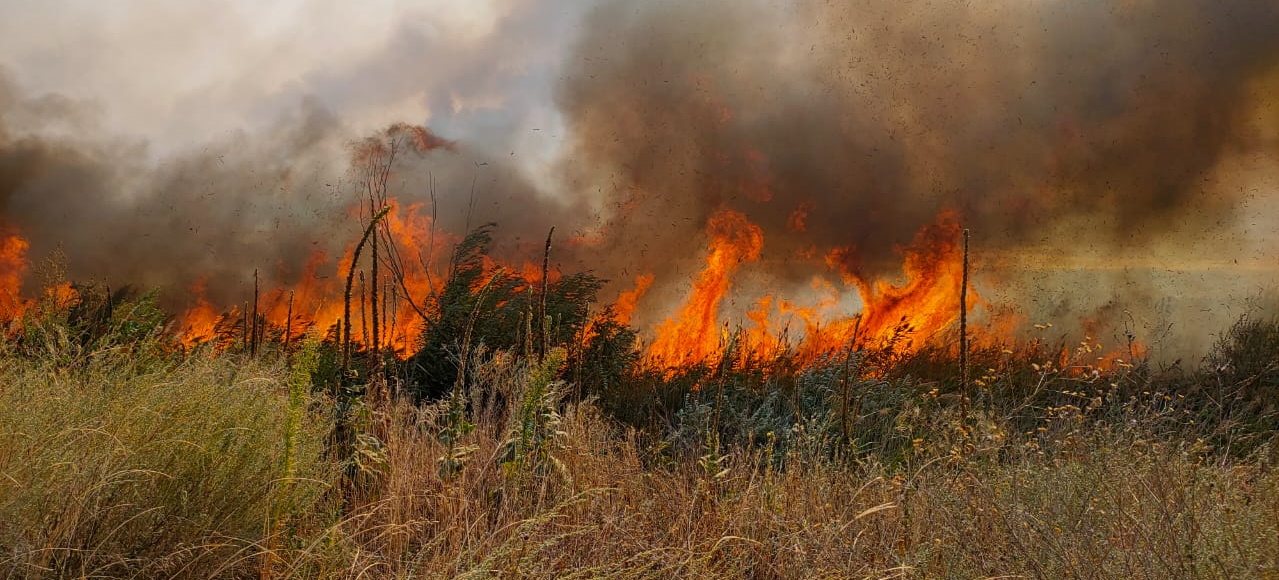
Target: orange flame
13 267
200 321
626 303
693 334
317 299
904 315
928 301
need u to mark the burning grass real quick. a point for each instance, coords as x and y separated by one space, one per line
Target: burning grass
125 455
473 419
400 400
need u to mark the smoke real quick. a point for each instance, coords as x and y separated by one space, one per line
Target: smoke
116 216
172 146
163 146
1048 125
873 116
273 201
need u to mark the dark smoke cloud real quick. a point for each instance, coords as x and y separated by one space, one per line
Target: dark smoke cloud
829 124
271 201
249 201
160 144
874 116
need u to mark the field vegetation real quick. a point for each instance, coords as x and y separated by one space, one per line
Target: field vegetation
527 438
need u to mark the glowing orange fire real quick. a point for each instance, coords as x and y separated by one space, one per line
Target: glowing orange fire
693 335
13 267
414 255
391 305
929 299
906 314
628 301
200 321
316 301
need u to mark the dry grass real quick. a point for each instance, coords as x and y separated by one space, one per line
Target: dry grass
128 462
1103 504
117 467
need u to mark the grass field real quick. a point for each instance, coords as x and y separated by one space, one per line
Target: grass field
123 454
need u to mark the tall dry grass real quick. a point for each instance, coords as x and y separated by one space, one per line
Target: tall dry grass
1076 500
122 457
131 463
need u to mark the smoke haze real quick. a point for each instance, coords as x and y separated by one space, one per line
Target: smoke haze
162 145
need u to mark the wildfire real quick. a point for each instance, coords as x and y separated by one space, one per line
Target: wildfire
928 301
316 301
626 303
200 321
925 303
13 266
905 314
390 305
693 335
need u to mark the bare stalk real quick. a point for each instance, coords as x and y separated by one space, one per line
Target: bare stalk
844 379
373 305
963 337
350 281
364 311
395 264
544 338
288 324
253 336
245 326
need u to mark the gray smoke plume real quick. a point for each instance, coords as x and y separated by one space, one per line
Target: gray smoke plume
272 201
1086 129
1044 124
873 116
169 160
